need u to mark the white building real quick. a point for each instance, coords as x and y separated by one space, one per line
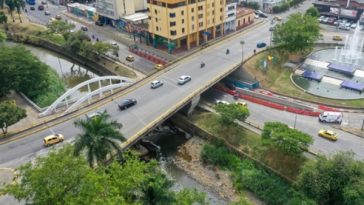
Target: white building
230 17
115 9
269 4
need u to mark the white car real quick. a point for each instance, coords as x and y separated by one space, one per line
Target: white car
183 79
256 16
94 114
353 26
156 84
222 102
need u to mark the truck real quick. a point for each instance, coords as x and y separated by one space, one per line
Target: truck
331 117
31 2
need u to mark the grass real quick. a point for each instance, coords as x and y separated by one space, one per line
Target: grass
250 143
277 79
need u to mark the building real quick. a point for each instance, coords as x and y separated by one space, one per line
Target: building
350 10
82 10
185 23
267 5
244 17
112 10
230 16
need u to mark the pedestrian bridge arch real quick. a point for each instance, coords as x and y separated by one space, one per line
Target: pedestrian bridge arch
69 102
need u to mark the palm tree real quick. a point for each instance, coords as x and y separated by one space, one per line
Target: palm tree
11 7
100 137
19 5
4 20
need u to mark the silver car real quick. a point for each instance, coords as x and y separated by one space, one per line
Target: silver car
183 79
156 84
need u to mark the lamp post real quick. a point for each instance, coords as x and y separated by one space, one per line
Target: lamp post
242 50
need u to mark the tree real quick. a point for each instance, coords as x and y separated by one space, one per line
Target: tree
3 18
74 41
10 114
290 141
333 181
2 37
99 48
100 137
312 11
19 5
11 7
61 178
60 27
298 34
229 113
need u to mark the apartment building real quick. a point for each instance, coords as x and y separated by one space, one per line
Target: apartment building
185 23
114 9
230 16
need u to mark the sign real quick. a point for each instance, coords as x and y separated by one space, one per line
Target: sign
347 12
334 10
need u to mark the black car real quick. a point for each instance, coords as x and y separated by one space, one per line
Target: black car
125 104
40 7
84 28
262 15
32 8
99 23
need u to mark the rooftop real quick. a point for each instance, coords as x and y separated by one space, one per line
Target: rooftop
242 11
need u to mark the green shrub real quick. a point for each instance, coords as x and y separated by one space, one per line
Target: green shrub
247 175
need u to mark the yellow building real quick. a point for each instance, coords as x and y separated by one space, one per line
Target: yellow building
244 17
185 23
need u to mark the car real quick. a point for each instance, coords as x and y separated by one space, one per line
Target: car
348 24
353 26
262 15
244 104
277 18
125 104
256 16
261 45
72 31
344 27
336 23
43 2
258 12
158 66
58 17
130 58
156 84
84 28
32 8
183 79
47 13
40 7
271 28
113 43
328 134
331 21
337 38
93 115
222 102
325 20
52 139
99 23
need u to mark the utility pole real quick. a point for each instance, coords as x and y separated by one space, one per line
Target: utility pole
295 120
362 125
242 50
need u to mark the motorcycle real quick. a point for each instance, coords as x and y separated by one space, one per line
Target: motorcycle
202 64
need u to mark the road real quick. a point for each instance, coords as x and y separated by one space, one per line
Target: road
260 114
39 17
152 104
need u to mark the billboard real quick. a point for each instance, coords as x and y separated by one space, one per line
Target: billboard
347 12
334 10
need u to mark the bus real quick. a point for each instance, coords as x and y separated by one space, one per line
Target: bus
31 2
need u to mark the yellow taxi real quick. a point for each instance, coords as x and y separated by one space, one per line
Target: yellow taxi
328 134
277 18
158 66
244 104
53 139
130 58
337 38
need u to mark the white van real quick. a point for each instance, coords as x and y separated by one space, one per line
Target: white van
332 117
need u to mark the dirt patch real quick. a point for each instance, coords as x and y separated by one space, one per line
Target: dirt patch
188 159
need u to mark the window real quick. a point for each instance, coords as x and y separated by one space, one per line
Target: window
220 9
192 9
155 11
183 30
156 19
193 27
156 28
173 33
213 12
231 8
183 21
200 8
193 18
182 13
200 16
172 15
200 24
230 15
173 23
220 18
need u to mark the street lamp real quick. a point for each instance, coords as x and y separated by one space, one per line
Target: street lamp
242 49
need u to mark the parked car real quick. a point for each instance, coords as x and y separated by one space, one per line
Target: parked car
156 84
43 2
353 26
53 139
93 115
337 38
40 7
261 45
158 66
183 79
344 27
84 28
348 24
271 28
262 15
99 23
336 23
130 58
256 16
325 20
47 13
125 104
328 134
32 8
331 20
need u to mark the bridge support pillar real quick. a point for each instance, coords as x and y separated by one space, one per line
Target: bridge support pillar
190 107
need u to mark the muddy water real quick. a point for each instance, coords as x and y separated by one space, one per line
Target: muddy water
169 140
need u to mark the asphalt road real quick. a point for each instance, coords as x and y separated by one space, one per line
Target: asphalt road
155 103
260 114
39 17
